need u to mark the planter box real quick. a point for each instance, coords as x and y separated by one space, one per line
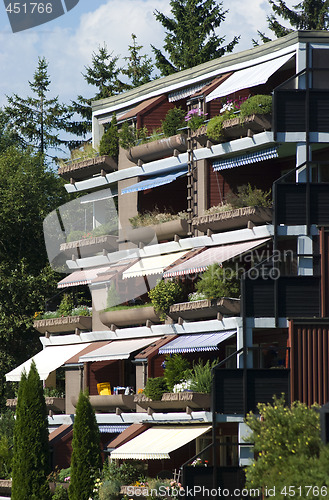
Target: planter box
57 405
231 219
128 317
205 308
85 169
158 149
5 486
109 404
164 231
175 401
91 246
63 324
233 128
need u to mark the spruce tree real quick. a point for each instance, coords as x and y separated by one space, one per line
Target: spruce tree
31 463
306 15
86 456
104 75
140 67
191 37
37 120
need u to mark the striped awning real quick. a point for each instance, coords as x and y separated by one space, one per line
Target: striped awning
212 255
238 161
112 429
181 94
153 182
82 277
196 342
157 442
153 265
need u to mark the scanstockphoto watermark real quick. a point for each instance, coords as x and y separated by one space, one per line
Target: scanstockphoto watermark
24 15
176 492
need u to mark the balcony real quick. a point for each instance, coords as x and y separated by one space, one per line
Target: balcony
181 401
54 404
164 231
233 219
259 386
91 246
158 149
129 316
202 309
63 324
110 404
81 170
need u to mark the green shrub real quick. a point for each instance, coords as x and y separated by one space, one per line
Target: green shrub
201 376
165 294
175 370
257 104
248 196
109 144
110 490
174 120
60 493
127 136
215 127
155 387
217 282
66 305
126 472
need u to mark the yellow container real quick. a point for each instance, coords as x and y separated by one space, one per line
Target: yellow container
104 389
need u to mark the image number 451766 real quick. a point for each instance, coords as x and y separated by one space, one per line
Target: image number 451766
27 14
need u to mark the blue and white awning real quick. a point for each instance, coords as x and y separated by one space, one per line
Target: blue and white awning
196 343
153 182
112 429
238 161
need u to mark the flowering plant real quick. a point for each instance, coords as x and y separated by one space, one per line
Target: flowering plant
195 118
198 462
182 386
232 106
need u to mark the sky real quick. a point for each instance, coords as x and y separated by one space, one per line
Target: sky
68 42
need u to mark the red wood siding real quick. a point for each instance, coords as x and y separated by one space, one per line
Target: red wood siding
104 371
153 117
309 361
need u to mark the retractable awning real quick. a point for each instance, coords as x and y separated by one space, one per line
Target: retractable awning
117 349
152 265
200 262
156 181
112 429
196 343
47 360
156 443
247 159
81 277
249 77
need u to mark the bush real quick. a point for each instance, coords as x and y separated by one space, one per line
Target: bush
126 472
174 120
61 493
215 127
175 368
127 136
219 282
109 144
201 376
155 387
248 196
165 294
257 104
110 490
66 305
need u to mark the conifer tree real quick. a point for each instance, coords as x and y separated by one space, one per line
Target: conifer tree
104 75
306 15
86 456
191 37
31 463
37 120
140 67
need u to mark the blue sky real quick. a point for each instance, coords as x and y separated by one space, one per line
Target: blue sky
68 41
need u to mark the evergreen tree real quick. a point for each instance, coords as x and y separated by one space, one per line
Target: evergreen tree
31 463
37 120
104 75
109 144
86 455
140 67
306 15
191 37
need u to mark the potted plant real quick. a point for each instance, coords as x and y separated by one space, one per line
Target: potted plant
164 294
163 225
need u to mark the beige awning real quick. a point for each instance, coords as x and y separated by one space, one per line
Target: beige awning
152 265
47 361
156 443
118 349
